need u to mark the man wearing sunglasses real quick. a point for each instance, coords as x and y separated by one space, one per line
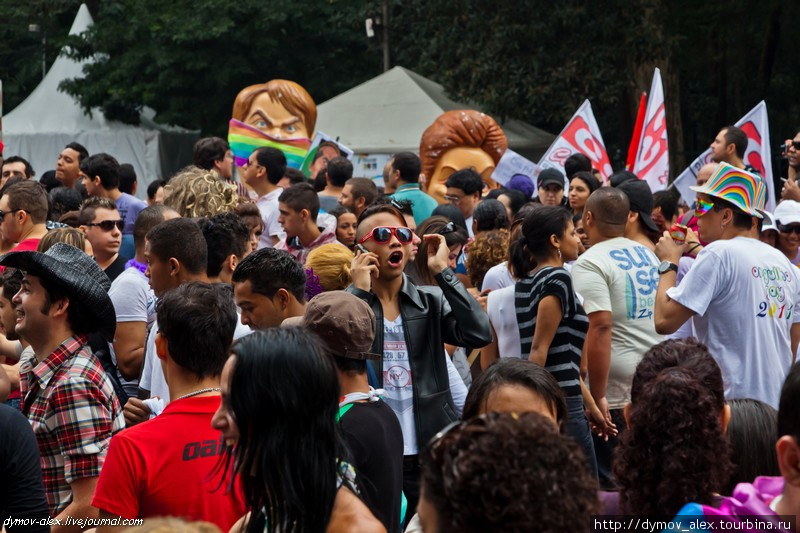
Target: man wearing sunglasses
741 294
23 213
102 224
412 324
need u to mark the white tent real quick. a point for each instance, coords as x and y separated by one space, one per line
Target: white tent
48 119
388 114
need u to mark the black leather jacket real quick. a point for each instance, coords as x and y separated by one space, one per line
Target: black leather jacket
432 316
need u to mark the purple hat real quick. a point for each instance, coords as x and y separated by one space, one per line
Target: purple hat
521 183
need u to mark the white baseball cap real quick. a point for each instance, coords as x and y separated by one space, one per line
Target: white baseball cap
787 212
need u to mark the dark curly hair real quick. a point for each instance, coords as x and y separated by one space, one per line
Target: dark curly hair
675 450
465 476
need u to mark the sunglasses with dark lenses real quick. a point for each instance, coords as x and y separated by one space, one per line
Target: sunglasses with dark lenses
796 145
383 234
784 228
703 207
108 225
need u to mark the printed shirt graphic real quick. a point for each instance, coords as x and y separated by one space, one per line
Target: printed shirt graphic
744 294
621 276
397 381
166 467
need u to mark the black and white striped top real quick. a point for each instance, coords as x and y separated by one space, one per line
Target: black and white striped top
564 356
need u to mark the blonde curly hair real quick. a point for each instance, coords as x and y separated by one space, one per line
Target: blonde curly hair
196 192
331 263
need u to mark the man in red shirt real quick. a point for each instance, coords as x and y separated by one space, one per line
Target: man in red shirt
166 466
23 213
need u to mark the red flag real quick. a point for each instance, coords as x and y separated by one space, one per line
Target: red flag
581 134
633 149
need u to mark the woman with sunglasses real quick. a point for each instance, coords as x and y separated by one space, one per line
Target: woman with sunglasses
455 237
412 325
787 218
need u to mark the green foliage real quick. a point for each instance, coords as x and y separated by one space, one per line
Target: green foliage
21 49
538 60
188 61
533 60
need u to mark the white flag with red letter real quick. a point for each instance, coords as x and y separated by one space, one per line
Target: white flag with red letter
581 134
755 124
652 158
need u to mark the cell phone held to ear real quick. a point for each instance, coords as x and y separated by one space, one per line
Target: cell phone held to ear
360 248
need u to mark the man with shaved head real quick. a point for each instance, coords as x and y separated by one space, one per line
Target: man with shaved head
704 173
689 219
617 278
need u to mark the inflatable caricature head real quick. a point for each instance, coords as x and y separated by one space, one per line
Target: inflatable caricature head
280 108
457 140
279 112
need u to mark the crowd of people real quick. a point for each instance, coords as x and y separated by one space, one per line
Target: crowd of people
281 353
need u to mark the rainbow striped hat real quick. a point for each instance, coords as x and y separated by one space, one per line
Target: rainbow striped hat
743 189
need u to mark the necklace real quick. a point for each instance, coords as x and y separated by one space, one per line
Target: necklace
195 393
373 395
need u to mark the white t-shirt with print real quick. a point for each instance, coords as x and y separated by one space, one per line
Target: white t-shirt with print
398 385
621 276
744 294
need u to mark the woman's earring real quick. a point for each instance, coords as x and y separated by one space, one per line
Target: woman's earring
559 252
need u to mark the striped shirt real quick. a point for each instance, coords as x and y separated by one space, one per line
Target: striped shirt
73 410
564 356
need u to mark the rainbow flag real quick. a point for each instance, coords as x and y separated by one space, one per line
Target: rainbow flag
243 139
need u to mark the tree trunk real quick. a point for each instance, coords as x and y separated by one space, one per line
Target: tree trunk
771 38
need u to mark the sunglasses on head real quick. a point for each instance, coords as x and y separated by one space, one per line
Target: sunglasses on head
447 228
703 207
788 228
455 200
108 225
383 234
